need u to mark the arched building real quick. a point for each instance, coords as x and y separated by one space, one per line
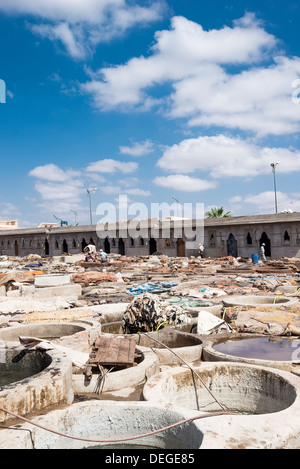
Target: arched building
235 236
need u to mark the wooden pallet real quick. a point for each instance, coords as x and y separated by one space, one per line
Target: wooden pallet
112 351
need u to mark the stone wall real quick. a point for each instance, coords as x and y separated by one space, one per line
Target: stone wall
239 237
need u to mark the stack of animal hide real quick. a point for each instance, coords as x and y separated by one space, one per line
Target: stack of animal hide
148 313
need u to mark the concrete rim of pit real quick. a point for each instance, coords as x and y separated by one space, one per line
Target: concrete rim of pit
209 354
263 431
11 334
257 300
53 385
106 420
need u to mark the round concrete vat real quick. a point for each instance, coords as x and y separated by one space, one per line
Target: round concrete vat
33 380
186 347
106 420
47 331
248 300
265 403
210 354
109 312
85 330
145 367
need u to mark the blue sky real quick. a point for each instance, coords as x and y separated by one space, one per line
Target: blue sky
149 99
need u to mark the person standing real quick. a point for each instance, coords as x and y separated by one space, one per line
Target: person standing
262 252
201 250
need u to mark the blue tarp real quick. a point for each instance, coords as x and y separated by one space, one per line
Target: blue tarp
150 287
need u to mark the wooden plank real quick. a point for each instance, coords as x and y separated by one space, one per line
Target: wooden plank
115 350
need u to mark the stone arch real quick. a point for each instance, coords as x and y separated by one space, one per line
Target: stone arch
121 246
107 245
83 244
46 248
232 247
266 240
152 246
65 246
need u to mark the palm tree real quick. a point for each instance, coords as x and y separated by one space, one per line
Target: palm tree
217 213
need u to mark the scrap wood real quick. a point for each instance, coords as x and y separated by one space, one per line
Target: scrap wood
113 351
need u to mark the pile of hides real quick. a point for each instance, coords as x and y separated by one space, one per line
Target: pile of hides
87 278
147 313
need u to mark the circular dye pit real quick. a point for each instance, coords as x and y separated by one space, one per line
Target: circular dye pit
47 331
22 364
106 420
272 351
259 300
185 345
244 389
263 348
32 380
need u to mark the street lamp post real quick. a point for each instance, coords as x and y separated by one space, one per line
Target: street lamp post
89 192
75 215
273 165
178 203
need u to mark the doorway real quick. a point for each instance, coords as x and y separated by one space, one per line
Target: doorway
83 244
46 248
152 246
180 248
65 247
107 245
232 248
121 245
16 248
264 239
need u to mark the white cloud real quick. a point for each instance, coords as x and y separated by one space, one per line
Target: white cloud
257 100
184 183
59 191
185 51
52 172
255 97
138 192
264 203
111 166
90 11
56 191
8 211
224 156
82 24
72 40
137 149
